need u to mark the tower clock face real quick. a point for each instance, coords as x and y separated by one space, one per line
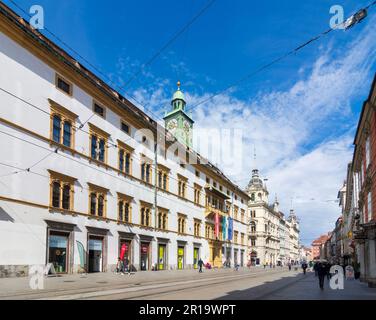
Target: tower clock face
172 125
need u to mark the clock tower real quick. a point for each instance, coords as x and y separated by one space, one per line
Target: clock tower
177 121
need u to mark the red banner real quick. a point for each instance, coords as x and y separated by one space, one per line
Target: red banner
122 251
216 229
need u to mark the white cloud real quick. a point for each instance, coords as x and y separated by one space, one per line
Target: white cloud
285 126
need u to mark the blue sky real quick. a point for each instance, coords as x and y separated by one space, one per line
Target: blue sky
299 114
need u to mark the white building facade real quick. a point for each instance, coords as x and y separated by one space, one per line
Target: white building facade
81 184
273 239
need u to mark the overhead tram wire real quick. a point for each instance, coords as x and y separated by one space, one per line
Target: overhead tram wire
110 81
119 87
169 42
81 163
263 67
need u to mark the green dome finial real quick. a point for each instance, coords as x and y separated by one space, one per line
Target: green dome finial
178 95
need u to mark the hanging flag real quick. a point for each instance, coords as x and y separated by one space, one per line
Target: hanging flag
81 253
224 228
230 224
122 251
216 227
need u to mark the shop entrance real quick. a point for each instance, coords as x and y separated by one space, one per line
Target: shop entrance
58 252
162 257
236 256
144 256
95 254
215 251
242 258
125 252
196 252
180 258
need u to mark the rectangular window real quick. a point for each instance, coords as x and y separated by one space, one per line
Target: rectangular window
124 208
125 127
197 227
61 190
197 174
242 215
145 216
368 149
63 85
125 161
163 177
236 210
97 200
162 219
98 143
197 194
236 233
99 110
182 220
62 125
182 186
369 206
146 172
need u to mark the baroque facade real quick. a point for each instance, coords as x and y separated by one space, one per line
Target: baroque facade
274 238
85 178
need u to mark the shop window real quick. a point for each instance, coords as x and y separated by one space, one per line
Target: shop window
97 200
63 85
62 190
98 143
58 251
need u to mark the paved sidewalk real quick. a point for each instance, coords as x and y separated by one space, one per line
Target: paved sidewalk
13 287
307 288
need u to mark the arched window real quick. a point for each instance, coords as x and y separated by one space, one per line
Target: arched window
56 128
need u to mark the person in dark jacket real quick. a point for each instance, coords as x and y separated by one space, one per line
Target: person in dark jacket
328 275
304 267
315 266
200 264
322 272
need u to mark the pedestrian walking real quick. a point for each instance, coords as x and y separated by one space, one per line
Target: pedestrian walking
289 264
200 264
322 272
119 266
328 266
315 267
270 265
304 267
